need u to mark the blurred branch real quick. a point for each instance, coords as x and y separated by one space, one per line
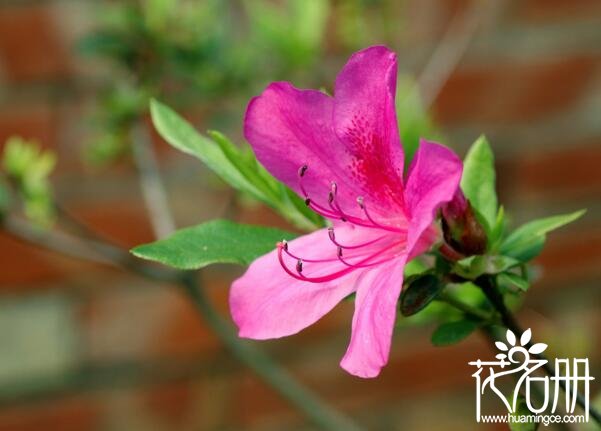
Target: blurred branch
321 415
83 249
449 51
152 187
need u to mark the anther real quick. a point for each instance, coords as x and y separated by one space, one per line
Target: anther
339 251
302 170
299 266
307 201
331 233
284 244
360 201
334 187
330 197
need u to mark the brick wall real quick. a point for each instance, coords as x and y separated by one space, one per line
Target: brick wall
85 347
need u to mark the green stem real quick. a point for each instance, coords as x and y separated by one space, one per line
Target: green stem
489 287
469 311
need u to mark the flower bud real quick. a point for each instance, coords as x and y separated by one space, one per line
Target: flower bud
462 230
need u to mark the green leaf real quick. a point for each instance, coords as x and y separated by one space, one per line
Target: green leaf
418 293
498 229
474 266
237 167
478 182
514 280
453 332
181 135
527 241
217 241
414 267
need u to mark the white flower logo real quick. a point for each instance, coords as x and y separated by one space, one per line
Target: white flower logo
535 349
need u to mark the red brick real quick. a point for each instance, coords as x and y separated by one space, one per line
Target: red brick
555 10
38 122
571 256
571 172
30 44
24 265
64 414
185 332
514 92
172 403
125 222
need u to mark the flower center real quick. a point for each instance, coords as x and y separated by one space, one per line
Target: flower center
366 254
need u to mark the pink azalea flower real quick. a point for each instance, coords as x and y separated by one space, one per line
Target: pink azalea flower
344 156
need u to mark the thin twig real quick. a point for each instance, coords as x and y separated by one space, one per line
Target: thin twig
153 189
83 249
448 53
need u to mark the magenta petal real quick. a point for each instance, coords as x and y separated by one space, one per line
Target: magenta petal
288 128
365 120
266 302
373 322
433 178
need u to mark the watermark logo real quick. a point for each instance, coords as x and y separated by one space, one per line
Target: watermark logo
520 360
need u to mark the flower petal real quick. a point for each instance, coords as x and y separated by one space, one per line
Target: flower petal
288 128
433 177
365 121
373 322
266 302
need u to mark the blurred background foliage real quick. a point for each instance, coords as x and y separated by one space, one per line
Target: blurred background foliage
216 53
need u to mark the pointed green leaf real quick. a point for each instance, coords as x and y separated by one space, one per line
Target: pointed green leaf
237 167
527 241
478 181
217 241
181 135
498 230
453 332
514 280
474 266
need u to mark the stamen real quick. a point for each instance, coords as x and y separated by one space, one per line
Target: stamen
335 212
350 267
315 207
294 256
367 265
350 247
364 263
362 205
